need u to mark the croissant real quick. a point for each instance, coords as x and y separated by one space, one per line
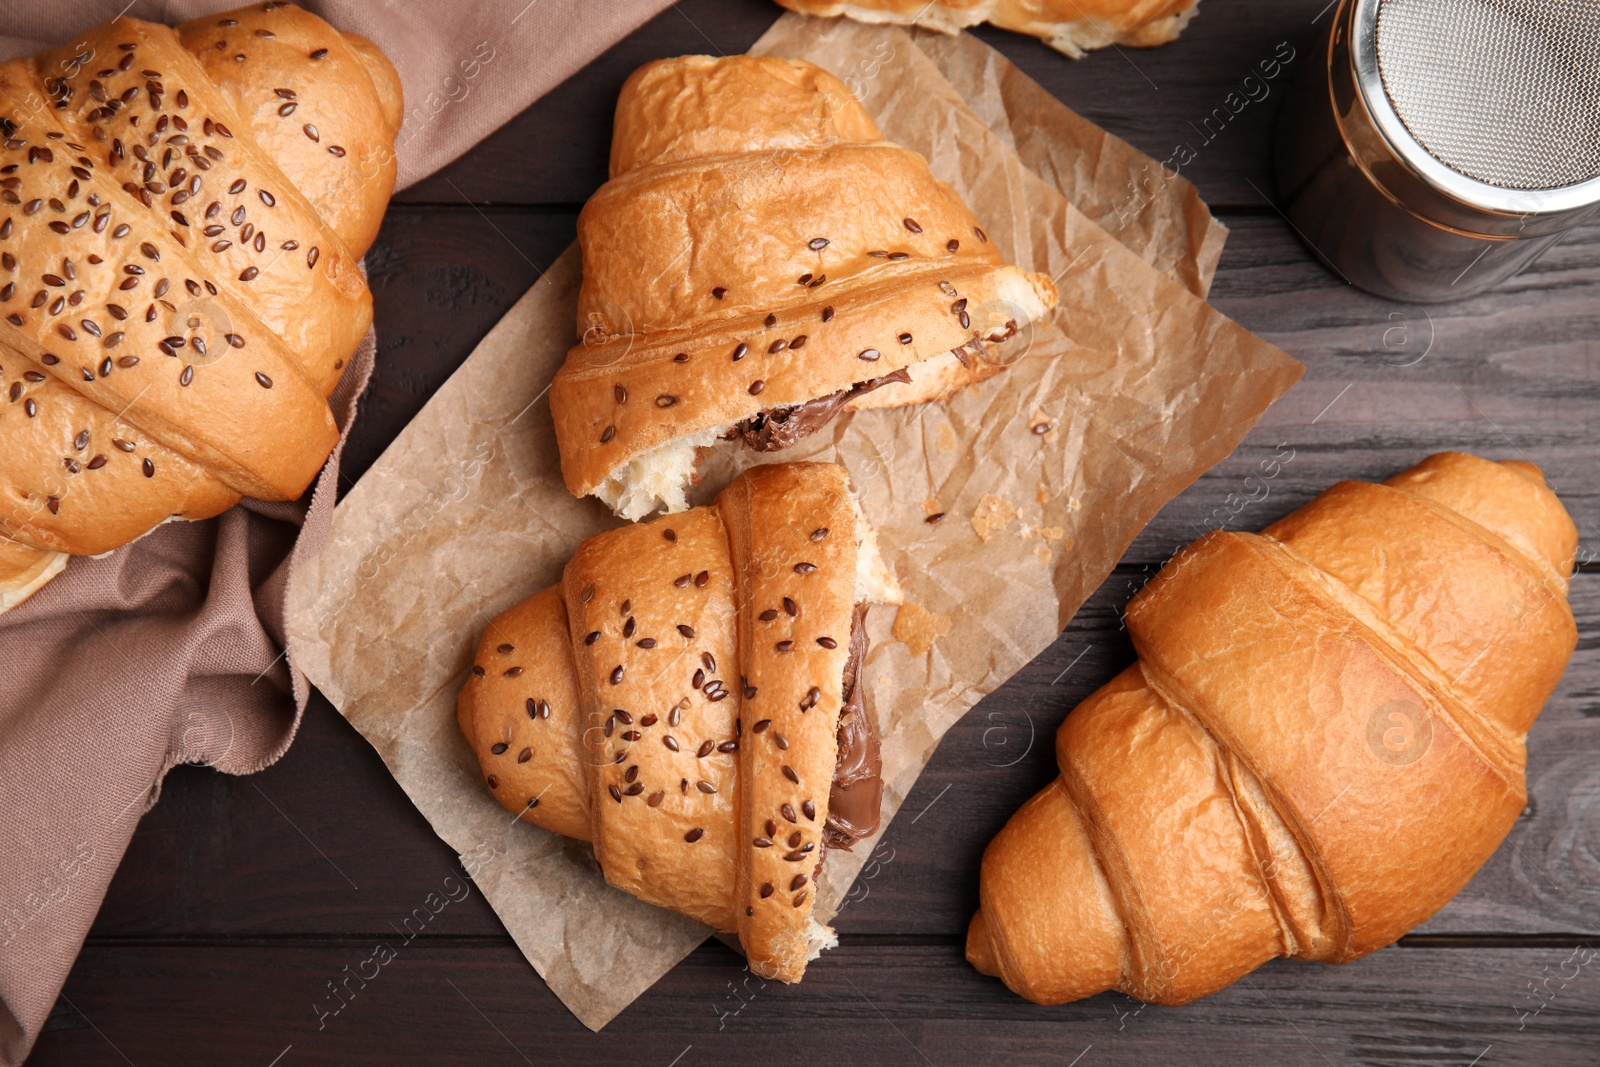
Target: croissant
182 214
761 260
1071 27
1321 742
688 698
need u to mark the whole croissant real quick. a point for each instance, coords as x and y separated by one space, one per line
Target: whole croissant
1321 742
689 700
182 214
760 260
1071 27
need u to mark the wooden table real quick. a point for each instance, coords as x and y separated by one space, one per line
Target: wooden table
242 899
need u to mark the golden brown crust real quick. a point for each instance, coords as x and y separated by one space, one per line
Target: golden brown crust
1307 759
1069 26
757 238
793 534
697 745
323 105
520 713
172 309
663 825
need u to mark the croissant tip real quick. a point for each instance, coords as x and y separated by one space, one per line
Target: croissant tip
979 952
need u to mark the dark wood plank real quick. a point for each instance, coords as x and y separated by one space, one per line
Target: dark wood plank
571 125
441 278
1209 93
1513 374
438 1003
325 842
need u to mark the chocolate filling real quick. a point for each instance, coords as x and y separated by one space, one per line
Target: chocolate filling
775 429
855 800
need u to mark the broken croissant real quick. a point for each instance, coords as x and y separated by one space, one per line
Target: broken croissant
182 215
1321 742
1071 27
760 260
689 699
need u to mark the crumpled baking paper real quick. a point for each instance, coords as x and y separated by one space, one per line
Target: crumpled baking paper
1108 409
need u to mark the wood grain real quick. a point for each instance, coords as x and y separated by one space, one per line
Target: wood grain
1157 99
444 1002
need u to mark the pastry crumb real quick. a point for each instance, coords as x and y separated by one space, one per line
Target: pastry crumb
918 628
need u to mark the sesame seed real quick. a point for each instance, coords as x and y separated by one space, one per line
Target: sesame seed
817 244
686 631
809 810
911 224
935 517
952 244
870 355
719 292
827 642
694 835
705 787
827 313
804 568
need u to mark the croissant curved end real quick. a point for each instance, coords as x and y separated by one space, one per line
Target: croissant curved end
24 570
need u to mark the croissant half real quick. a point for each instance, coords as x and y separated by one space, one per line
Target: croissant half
181 217
760 260
688 700
1321 742
1072 27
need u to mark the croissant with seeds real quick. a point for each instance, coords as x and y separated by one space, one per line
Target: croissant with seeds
182 213
761 261
689 698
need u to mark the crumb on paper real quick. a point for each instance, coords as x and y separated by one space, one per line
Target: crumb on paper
991 515
1051 533
945 438
918 628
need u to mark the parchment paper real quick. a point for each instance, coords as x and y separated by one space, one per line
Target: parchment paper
1113 405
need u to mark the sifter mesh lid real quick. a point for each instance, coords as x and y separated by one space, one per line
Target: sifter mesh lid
1503 91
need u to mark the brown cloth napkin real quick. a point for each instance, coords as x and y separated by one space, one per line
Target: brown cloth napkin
169 650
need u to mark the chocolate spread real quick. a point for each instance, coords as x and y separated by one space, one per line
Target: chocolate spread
856 798
775 429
